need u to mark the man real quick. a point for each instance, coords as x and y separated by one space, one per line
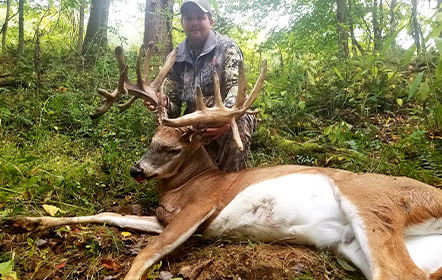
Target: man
199 55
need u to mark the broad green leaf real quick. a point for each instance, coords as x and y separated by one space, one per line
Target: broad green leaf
311 80
408 55
301 105
438 17
328 130
399 101
6 272
390 75
438 43
415 84
374 71
31 181
424 91
338 73
267 101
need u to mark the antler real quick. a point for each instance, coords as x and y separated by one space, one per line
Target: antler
219 114
143 88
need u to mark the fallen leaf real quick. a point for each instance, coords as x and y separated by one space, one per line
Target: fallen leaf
50 209
41 242
61 265
345 265
109 264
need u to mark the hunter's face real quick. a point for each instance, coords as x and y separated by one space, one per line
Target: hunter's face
197 25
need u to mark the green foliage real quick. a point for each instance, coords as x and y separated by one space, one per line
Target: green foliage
369 112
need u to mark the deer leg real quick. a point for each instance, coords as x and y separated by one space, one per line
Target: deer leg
28 224
177 231
383 246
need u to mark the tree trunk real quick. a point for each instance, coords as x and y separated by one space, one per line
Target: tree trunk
393 24
104 19
341 13
81 27
157 25
96 33
415 26
355 45
21 31
376 28
5 24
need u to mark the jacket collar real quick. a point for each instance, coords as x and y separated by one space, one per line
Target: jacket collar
184 52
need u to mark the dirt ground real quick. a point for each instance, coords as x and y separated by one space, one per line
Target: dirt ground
100 252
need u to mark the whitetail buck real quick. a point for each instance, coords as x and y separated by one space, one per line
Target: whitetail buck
389 227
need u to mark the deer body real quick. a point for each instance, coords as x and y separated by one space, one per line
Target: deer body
390 227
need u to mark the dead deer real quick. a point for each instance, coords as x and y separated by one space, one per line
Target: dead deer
389 227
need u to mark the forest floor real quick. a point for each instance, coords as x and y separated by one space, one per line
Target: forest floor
100 252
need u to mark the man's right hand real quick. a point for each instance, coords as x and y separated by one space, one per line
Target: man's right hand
152 107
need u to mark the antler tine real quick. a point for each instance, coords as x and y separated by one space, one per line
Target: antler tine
161 110
242 85
110 97
199 102
119 54
125 106
235 134
141 51
216 88
140 79
258 85
165 69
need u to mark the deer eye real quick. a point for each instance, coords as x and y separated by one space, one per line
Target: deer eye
174 152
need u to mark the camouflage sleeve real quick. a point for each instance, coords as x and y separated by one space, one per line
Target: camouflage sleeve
230 67
174 103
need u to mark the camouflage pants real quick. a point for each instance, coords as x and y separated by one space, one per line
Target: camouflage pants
223 150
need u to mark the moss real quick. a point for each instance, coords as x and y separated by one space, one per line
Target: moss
273 139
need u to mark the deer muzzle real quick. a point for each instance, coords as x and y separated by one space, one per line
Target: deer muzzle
139 174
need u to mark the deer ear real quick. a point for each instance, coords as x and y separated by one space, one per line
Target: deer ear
191 134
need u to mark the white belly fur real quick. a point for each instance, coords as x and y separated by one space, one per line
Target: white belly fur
296 208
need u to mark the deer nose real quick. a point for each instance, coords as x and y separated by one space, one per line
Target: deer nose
136 171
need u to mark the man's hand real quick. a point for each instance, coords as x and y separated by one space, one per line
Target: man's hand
151 107
216 132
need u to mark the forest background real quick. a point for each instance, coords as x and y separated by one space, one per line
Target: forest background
352 84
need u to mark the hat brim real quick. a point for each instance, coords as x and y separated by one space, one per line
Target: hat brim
182 9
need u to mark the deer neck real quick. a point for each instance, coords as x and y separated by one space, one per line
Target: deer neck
195 165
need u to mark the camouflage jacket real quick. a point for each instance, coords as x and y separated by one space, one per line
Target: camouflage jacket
220 54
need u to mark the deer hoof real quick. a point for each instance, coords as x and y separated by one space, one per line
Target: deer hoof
19 225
